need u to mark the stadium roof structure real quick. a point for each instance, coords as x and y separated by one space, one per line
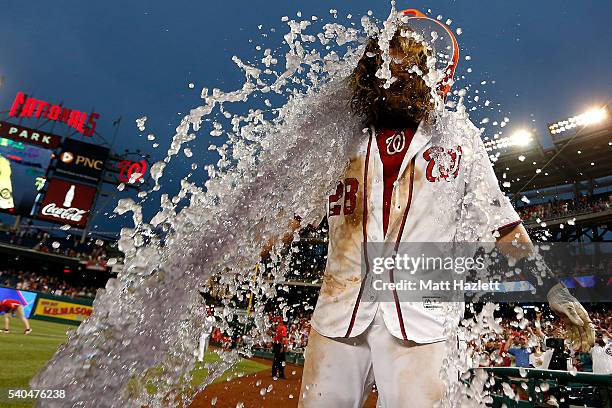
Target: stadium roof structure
581 155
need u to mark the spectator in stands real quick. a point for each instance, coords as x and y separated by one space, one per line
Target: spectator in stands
517 346
566 208
50 284
601 354
584 362
95 251
540 359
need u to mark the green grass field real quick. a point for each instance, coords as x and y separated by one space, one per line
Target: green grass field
243 367
22 356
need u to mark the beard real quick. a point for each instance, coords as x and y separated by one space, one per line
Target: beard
405 103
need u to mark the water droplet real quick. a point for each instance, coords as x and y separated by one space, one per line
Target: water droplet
140 123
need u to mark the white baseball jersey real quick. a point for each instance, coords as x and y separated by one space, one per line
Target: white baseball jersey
445 181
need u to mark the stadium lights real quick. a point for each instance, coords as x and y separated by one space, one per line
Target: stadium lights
590 117
521 138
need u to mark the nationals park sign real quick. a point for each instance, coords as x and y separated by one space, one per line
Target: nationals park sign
25 106
29 136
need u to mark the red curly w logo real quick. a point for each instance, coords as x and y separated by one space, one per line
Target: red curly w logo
442 164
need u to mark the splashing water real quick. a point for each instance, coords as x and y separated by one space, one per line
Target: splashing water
274 163
146 321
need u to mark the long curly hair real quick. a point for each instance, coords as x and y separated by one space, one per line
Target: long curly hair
369 98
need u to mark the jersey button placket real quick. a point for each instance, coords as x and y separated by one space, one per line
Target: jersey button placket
370 290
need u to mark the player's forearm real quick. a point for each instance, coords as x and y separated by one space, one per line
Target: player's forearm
517 247
515 242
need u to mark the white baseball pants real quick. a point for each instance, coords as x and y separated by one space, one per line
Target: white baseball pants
339 372
203 345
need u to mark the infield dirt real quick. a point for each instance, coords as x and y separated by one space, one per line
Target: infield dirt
253 391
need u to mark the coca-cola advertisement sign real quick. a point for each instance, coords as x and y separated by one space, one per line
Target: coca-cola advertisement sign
66 202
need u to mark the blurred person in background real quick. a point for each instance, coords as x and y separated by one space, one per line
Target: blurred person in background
278 348
601 354
540 359
12 306
207 331
517 346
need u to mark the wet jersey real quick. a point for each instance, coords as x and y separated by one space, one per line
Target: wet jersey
446 191
392 147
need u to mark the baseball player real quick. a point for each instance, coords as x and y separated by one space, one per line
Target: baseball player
206 333
412 178
12 306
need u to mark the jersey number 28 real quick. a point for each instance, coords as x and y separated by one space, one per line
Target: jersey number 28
347 189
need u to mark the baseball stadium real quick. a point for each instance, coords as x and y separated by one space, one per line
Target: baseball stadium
375 205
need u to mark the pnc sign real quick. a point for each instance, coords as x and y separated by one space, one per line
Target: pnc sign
81 161
87 162
25 106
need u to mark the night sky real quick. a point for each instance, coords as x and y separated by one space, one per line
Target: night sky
549 59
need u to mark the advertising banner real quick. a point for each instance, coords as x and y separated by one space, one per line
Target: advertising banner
22 174
67 203
81 161
51 308
26 298
29 136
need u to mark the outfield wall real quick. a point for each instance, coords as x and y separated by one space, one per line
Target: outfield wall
42 306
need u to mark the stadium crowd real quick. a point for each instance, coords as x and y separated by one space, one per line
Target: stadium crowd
298 330
528 345
95 252
24 280
555 209
525 344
